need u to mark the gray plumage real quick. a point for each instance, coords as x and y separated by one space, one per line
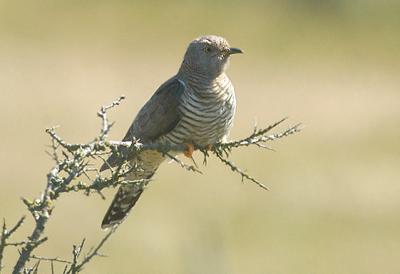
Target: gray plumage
196 106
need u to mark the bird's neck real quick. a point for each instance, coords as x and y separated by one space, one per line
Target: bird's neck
194 77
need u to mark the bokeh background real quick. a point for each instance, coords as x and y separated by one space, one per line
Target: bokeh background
335 188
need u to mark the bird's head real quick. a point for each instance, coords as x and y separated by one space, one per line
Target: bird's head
209 55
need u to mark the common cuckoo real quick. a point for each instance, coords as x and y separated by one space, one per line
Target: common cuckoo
195 108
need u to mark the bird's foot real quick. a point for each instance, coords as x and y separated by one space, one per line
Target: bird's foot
188 152
205 151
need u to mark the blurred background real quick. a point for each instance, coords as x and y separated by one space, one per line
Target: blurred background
335 188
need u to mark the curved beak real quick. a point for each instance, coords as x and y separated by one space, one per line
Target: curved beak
234 51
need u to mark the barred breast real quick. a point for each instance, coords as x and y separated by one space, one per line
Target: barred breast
207 111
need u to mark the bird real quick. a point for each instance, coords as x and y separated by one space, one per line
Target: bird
196 108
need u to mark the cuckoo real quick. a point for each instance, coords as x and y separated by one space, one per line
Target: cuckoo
195 108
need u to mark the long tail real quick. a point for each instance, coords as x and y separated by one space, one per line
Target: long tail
124 200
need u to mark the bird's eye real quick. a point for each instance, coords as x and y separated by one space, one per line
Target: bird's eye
207 49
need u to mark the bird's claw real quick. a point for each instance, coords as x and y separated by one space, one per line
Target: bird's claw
188 152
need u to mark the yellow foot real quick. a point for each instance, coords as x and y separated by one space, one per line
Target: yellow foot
209 147
188 152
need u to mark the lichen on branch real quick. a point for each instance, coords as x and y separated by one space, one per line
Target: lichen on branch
76 170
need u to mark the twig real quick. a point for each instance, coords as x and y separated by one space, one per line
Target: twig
236 169
76 266
76 251
95 251
259 136
6 234
183 165
74 172
56 259
106 126
17 243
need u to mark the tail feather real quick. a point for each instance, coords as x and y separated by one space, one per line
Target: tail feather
124 200
128 194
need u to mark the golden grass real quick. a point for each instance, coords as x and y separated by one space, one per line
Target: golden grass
334 205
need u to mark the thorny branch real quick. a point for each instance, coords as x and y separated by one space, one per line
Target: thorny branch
76 266
76 171
5 235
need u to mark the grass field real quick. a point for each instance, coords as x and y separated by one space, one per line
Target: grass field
335 187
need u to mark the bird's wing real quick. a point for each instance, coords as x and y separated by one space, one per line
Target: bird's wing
157 117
